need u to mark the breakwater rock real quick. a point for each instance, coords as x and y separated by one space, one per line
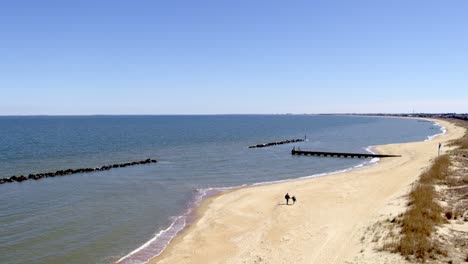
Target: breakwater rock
59 173
277 143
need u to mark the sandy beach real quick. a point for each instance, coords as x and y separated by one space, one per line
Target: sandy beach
326 225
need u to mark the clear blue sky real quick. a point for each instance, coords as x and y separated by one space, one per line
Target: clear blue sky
215 57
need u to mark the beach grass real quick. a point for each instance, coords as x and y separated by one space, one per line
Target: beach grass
424 213
461 143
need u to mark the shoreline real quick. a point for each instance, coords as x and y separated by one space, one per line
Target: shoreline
226 230
192 214
197 213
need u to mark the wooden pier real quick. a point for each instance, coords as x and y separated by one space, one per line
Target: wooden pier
294 151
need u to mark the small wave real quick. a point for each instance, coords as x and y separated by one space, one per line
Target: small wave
371 149
441 128
156 245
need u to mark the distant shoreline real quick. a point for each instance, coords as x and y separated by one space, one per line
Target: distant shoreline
462 116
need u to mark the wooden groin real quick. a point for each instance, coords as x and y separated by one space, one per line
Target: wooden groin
276 143
58 173
295 151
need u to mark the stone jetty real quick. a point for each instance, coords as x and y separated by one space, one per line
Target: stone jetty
277 143
59 173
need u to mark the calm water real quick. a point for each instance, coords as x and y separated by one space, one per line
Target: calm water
101 217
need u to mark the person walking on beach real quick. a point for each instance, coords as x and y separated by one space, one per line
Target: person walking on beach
294 199
287 197
438 152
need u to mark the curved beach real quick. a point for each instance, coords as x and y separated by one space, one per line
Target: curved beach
253 225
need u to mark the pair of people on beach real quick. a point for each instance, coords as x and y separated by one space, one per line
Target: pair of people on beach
287 197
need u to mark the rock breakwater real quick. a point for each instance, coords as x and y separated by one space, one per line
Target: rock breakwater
276 143
59 173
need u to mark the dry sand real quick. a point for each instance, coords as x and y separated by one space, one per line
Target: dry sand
326 225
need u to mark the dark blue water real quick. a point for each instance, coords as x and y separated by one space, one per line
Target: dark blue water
101 217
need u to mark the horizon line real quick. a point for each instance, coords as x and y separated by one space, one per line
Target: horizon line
225 114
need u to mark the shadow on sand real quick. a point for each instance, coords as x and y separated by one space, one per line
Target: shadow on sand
284 204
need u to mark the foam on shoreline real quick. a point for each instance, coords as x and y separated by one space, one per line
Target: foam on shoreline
156 245
442 129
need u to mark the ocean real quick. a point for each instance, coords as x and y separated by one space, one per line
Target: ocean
130 214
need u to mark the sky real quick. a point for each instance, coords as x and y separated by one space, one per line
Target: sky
232 57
